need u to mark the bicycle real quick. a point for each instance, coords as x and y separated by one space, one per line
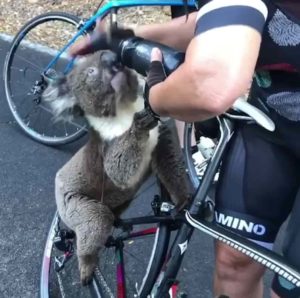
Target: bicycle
164 260
158 279
31 49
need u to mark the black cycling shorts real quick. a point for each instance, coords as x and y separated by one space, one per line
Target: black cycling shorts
259 184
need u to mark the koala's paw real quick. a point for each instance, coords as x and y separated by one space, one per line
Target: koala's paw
144 120
87 265
86 274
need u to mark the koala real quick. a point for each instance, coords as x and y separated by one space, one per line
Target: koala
125 146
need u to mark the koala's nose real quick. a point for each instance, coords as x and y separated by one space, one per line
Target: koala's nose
109 59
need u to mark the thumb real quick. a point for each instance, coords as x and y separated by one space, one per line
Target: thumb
100 26
156 69
156 54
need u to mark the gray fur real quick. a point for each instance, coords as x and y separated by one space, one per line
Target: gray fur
95 185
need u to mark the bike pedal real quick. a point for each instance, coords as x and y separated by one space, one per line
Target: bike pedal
62 240
156 204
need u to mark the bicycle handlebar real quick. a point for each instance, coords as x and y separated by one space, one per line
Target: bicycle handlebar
254 113
135 53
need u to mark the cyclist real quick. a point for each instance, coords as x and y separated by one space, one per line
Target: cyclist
226 41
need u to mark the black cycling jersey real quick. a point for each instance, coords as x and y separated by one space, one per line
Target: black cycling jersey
259 184
280 33
280 46
291 8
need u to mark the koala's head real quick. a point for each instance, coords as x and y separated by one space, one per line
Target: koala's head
96 86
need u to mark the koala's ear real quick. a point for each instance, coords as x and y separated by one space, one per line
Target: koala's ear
56 87
60 97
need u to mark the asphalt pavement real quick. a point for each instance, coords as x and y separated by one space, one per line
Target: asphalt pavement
27 171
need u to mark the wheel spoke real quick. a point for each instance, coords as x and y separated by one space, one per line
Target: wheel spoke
21 94
37 119
103 282
36 67
28 58
46 109
77 125
134 257
18 82
27 116
65 129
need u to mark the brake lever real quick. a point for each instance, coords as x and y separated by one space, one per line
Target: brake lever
259 116
113 24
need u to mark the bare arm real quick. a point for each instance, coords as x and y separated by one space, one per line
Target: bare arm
162 33
217 70
177 33
219 65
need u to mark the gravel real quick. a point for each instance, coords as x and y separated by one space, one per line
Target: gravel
15 13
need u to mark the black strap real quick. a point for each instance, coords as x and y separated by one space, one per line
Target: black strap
155 76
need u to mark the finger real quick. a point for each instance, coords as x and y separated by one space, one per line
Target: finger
79 47
82 47
156 54
101 25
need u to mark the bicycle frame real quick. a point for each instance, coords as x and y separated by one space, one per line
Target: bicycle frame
168 274
268 258
112 6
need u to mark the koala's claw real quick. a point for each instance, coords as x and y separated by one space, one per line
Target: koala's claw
87 265
144 120
86 274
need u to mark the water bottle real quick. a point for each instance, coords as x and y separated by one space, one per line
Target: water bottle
135 53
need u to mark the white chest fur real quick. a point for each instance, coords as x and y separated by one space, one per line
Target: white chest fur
144 165
112 127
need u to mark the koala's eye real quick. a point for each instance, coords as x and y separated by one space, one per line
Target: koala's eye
92 71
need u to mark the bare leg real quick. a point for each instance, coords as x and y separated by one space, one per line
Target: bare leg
237 275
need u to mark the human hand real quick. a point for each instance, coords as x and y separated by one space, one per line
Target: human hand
100 39
85 45
156 75
156 72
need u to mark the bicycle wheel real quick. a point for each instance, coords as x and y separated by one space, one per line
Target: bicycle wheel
36 44
143 251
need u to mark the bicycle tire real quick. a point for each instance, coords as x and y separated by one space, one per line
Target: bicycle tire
63 132
97 288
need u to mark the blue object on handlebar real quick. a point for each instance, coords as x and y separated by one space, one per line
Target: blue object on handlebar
104 10
135 53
